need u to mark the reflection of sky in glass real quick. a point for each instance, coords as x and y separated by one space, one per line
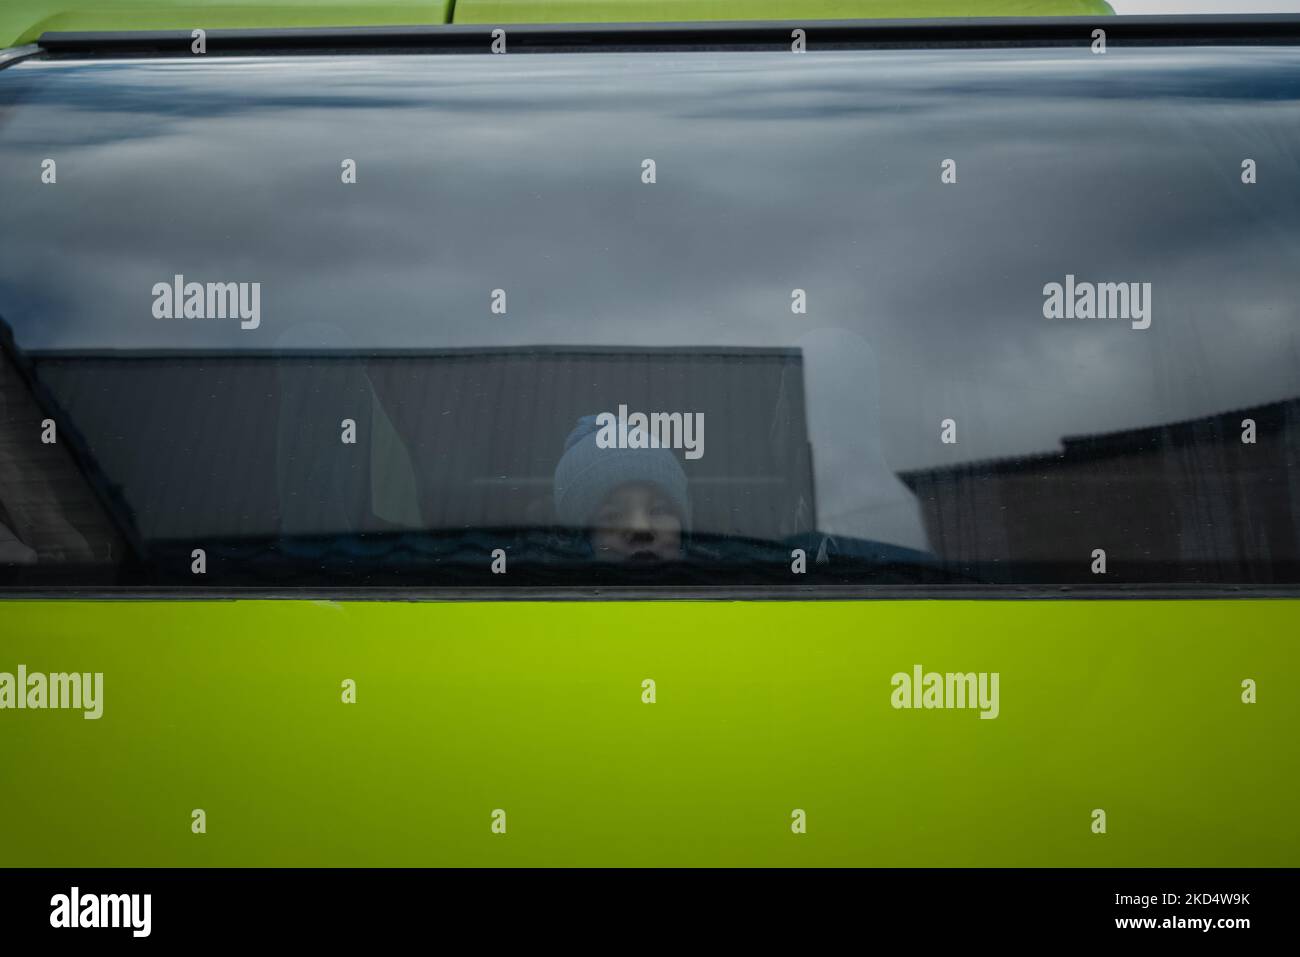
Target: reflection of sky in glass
774 172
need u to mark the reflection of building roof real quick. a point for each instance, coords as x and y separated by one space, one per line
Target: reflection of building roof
1187 501
1146 439
235 444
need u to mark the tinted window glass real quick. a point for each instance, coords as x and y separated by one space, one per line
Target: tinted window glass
877 317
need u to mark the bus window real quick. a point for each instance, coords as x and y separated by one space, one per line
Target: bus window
931 318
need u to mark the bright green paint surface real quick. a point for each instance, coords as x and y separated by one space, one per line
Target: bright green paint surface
594 11
22 21
234 707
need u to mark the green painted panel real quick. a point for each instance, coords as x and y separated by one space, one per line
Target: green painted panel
22 21
596 11
536 708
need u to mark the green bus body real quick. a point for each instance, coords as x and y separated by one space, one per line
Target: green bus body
22 21
761 709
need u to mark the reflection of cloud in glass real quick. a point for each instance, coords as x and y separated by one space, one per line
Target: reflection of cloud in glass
819 172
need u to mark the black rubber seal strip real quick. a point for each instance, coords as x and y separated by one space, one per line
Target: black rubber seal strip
981 593
740 35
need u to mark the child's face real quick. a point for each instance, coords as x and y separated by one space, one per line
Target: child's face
636 523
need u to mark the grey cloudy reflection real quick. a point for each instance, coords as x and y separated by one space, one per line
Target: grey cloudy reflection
774 172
